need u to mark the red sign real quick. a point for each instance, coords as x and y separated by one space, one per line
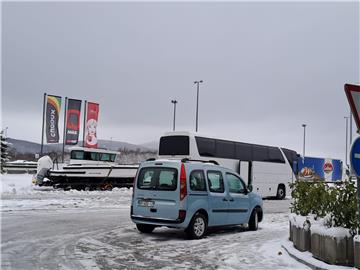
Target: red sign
92 114
328 167
353 95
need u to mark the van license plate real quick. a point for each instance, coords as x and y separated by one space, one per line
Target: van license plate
145 203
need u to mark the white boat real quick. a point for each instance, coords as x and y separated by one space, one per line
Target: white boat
88 169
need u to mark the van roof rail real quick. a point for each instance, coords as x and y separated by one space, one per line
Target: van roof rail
197 160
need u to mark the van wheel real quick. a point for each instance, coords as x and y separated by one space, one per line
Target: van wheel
280 194
254 221
144 228
197 227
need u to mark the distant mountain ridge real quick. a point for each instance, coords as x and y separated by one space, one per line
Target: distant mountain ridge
23 146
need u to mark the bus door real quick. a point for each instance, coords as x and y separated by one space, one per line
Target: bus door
246 171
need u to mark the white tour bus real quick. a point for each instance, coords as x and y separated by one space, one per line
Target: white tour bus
267 169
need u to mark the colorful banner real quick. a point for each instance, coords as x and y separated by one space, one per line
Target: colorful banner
53 106
72 121
92 113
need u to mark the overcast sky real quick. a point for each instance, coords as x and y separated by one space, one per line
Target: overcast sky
267 68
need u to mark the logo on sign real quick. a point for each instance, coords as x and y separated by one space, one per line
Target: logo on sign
328 167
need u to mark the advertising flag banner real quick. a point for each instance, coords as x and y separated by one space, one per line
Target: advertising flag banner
72 121
53 106
92 113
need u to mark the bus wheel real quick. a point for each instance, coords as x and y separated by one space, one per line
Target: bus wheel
281 193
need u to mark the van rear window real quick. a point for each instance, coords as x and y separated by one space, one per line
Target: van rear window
156 178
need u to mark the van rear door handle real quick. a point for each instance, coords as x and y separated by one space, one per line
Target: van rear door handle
231 200
225 200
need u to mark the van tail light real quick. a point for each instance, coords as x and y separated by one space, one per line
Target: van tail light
182 215
183 190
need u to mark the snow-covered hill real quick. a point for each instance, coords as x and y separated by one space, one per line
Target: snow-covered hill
22 146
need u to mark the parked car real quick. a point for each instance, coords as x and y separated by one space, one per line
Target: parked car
192 195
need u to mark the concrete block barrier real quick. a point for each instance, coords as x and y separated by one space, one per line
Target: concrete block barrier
333 250
357 254
302 239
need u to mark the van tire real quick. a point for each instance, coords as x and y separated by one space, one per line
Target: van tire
145 228
254 221
281 193
197 227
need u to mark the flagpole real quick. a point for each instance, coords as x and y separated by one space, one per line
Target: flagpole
64 133
42 127
84 123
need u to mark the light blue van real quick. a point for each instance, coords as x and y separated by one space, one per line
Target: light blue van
191 195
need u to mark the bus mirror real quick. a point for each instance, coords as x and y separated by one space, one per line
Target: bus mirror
250 188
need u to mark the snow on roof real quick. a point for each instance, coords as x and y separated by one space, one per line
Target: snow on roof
96 150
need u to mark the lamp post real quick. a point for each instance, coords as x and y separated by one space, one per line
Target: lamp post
304 126
174 101
346 140
197 104
350 141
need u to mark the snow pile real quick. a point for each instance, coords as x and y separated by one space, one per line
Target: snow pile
319 226
325 227
334 232
15 183
303 222
18 193
357 238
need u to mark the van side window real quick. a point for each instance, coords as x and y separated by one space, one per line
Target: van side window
197 181
215 181
235 184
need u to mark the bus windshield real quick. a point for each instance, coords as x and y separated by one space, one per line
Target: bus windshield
174 145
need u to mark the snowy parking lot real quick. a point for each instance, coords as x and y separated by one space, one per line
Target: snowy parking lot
43 228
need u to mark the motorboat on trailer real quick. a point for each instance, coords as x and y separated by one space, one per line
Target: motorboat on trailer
88 169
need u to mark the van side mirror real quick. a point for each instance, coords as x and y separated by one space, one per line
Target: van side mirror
250 188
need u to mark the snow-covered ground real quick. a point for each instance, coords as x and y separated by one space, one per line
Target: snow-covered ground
43 228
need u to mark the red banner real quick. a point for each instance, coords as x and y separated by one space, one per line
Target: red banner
92 113
72 121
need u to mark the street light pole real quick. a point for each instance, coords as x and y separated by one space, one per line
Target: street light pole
350 142
346 140
197 104
304 126
174 102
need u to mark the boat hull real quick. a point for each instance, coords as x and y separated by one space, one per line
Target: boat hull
92 177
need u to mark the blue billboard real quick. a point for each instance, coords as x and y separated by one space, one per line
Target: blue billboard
319 169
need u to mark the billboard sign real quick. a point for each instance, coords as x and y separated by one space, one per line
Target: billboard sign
319 169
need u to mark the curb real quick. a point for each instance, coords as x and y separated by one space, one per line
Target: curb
312 266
